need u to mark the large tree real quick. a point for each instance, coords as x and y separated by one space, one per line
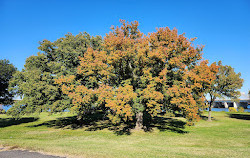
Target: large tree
35 83
226 84
6 72
136 74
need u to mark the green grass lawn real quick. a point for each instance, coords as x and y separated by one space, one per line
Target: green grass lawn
225 136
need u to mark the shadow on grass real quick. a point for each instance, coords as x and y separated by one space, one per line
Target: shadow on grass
240 116
93 122
98 121
167 124
5 122
206 118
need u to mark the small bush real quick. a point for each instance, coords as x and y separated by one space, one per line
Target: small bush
232 109
241 109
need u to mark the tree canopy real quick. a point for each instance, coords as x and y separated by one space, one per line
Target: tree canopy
35 83
6 72
136 74
127 74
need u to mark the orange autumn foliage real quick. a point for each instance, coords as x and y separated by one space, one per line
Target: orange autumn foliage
141 73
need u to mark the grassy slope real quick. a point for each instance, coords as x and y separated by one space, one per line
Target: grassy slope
224 137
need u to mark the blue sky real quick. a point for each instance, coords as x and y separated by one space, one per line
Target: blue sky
222 26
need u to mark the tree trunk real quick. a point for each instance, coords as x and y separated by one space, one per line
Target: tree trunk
209 112
212 99
139 121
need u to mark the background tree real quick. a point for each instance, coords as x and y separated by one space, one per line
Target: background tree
6 72
136 74
63 53
35 83
226 84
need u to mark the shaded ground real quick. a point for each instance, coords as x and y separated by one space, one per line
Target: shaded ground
167 124
98 121
240 116
5 122
24 154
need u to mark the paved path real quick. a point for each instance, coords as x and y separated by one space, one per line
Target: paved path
23 154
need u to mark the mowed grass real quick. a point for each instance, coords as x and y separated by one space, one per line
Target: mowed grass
223 137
